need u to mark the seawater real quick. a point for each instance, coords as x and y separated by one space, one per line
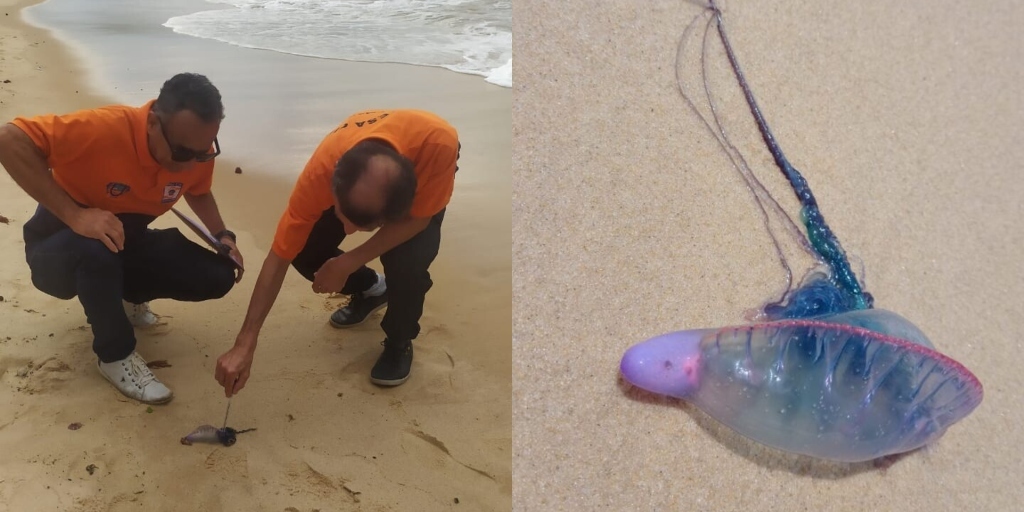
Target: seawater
466 36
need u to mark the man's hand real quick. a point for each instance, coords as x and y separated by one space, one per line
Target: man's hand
332 275
233 368
233 251
101 225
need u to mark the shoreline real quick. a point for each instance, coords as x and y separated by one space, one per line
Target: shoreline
209 7
278 105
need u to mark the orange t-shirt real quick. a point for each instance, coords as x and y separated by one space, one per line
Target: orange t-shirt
101 158
424 138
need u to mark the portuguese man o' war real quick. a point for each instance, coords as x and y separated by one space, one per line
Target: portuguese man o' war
213 435
821 372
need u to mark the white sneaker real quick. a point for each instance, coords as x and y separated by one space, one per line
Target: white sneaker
140 315
133 378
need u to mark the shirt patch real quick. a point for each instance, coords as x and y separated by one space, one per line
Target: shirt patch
171 192
115 189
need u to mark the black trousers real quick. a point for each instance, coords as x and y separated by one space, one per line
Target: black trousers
155 264
406 271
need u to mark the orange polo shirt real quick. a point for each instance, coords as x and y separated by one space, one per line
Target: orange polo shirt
424 138
101 158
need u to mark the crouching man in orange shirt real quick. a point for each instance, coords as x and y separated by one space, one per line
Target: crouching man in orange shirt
101 177
392 171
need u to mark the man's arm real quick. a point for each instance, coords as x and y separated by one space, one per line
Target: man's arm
233 367
29 169
332 275
310 196
206 209
268 285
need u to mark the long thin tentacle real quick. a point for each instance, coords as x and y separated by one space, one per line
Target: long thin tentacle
761 195
818 232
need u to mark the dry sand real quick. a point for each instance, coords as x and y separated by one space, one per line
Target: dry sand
905 119
327 439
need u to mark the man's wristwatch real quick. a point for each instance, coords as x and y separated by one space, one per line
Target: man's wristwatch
225 233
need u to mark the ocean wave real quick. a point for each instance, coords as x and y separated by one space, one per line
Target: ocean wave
466 36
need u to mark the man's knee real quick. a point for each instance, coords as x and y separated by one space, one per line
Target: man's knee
408 266
95 256
56 265
222 280
53 285
407 280
307 263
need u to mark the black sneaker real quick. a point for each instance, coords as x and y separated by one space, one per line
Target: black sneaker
357 309
393 365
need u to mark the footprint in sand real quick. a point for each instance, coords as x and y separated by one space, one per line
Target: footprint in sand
228 461
12 366
98 460
439 330
31 377
120 502
433 369
437 369
304 479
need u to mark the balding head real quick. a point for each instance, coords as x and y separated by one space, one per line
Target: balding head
373 184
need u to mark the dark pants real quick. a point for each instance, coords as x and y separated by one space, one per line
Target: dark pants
155 264
406 270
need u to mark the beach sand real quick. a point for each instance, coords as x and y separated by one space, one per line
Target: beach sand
630 222
326 438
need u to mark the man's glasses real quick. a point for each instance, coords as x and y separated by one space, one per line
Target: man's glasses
183 154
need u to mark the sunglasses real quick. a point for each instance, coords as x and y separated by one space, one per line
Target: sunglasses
182 154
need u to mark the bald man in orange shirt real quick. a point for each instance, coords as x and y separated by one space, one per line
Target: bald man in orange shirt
389 171
101 176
